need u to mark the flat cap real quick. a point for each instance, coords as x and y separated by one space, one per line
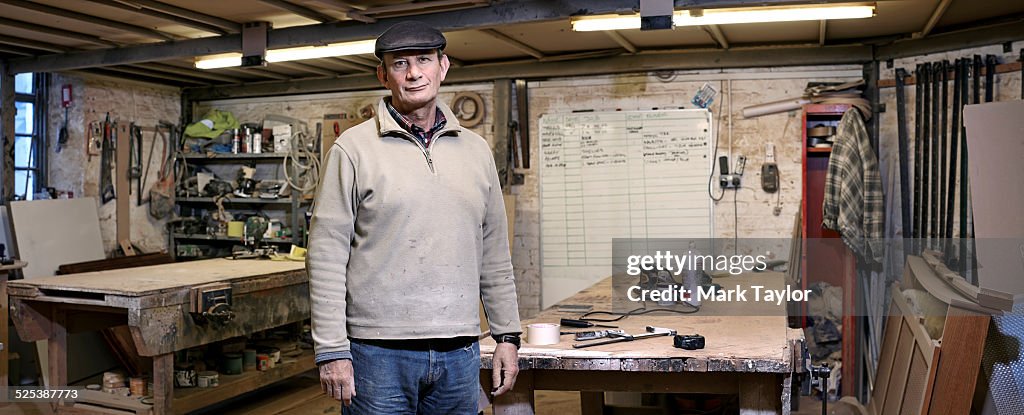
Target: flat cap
409 35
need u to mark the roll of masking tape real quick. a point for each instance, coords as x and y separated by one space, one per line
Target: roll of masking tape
236 228
540 334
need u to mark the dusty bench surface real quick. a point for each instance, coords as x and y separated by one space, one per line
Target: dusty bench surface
154 279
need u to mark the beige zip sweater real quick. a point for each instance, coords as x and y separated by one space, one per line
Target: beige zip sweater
406 239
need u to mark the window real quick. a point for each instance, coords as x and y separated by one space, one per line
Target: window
29 134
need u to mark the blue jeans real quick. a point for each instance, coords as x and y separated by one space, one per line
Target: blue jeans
423 377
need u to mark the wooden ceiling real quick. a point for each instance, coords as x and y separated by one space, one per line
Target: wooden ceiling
157 40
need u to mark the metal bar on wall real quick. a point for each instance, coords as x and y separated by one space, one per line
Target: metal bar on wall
7 111
942 150
901 116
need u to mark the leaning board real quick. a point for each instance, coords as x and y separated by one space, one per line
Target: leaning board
619 174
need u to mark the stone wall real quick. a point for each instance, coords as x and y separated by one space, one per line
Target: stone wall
74 170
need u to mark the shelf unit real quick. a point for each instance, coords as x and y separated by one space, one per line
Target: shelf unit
293 207
826 258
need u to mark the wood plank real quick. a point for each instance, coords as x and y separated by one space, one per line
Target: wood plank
124 403
900 369
119 338
116 263
913 323
925 278
155 279
163 383
591 403
759 395
5 345
187 400
321 405
122 185
285 400
519 400
963 343
722 383
887 355
57 351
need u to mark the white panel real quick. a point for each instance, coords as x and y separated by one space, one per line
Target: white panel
50 233
618 174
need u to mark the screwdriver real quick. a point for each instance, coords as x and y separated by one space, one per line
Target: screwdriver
568 322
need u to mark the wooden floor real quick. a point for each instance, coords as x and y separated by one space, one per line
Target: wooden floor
302 396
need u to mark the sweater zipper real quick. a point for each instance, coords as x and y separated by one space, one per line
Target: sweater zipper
423 149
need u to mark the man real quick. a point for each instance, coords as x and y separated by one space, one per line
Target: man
408 234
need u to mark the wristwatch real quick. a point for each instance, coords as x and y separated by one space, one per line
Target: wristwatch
508 338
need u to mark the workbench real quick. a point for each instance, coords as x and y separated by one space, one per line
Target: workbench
5 272
154 303
751 352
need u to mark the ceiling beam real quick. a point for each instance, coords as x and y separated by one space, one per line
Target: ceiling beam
421 7
350 66
371 62
14 50
531 69
621 40
350 11
228 25
527 49
189 72
821 32
300 10
955 40
34 44
161 15
456 62
940 9
82 17
155 74
261 72
298 66
52 31
717 35
358 62
499 13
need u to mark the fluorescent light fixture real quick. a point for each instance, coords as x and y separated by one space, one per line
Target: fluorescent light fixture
290 54
226 60
730 16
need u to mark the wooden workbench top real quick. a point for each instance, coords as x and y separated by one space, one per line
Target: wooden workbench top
142 281
741 337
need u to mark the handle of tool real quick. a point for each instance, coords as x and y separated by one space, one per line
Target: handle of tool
609 341
568 322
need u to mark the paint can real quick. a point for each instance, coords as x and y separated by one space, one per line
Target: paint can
112 381
137 386
185 377
231 363
236 229
262 362
249 359
208 379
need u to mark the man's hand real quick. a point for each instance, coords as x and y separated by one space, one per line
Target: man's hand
505 362
337 380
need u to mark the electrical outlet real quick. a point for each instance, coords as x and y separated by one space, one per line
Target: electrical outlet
741 162
729 181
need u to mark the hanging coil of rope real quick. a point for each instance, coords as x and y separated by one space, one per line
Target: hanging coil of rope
303 163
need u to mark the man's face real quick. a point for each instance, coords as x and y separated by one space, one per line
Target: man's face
413 77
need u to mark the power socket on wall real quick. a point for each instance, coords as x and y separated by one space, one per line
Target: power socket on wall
734 180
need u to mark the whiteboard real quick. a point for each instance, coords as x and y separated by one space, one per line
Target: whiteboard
620 174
